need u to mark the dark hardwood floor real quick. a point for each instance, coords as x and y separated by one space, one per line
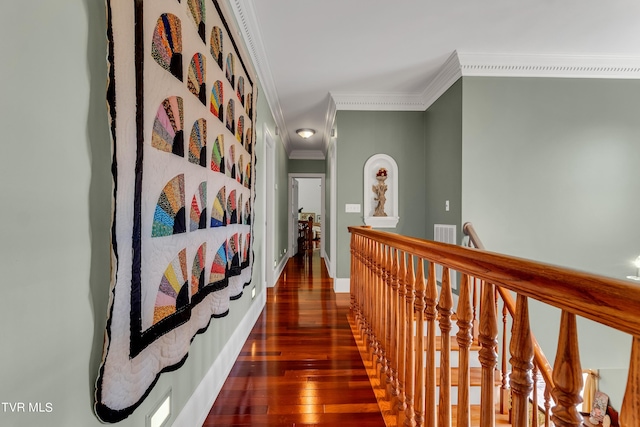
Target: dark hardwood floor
300 365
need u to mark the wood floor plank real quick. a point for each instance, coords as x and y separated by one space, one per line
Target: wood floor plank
300 365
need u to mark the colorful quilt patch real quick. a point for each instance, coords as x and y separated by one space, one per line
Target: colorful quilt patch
181 229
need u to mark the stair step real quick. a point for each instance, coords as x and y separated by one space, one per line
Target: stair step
475 376
454 344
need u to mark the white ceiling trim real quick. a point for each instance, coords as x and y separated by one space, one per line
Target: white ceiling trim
378 101
489 65
250 30
565 66
328 124
307 155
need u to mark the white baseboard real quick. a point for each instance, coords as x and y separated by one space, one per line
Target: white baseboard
342 286
279 269
198 406
327 264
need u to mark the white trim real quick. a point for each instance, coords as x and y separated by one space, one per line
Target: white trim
327 263
333 165
330 119
341 286
279 269
565 66
195 411
268 206
307 155
449 73
493 65
378 101
246 18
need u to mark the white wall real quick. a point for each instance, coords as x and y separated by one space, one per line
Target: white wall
309 195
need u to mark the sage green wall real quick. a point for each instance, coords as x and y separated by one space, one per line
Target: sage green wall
55 162
361 134
306 166
443 145
550 172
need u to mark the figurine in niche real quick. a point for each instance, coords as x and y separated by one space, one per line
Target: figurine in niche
379 190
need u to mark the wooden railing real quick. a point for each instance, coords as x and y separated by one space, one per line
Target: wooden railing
398 309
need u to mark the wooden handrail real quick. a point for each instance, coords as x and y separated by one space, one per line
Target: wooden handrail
611 302
390 296
538 355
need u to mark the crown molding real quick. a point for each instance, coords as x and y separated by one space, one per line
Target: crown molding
493 65
563 66
329 121
307 155
250 29
377 101
449 73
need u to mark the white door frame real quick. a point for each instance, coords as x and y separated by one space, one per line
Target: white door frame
293 221
268 181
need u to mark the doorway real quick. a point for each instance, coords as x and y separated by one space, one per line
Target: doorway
306 198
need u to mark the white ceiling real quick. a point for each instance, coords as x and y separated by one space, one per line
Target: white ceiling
379 54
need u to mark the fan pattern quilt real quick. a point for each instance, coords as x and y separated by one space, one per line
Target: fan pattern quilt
181 102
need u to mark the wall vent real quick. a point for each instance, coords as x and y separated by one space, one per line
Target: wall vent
445 233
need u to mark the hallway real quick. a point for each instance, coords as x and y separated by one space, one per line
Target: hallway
300 365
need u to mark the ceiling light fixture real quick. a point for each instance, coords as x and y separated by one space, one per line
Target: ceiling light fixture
305 133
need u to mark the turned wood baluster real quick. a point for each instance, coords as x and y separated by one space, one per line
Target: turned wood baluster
402 337
534 405
464 338
382 313
476 315
354 279
567 375
410 357
370 294
392 390
431 300
630 409
504 389
359 285
419 307
391 332
371 283
377 314
547 405
362 297
445 308
364 289
388 309
521 348
488 339
383 307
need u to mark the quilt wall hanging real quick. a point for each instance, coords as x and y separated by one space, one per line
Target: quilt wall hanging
181 102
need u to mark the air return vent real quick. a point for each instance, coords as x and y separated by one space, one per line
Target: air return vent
445 233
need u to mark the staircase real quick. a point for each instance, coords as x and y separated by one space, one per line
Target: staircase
384 393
